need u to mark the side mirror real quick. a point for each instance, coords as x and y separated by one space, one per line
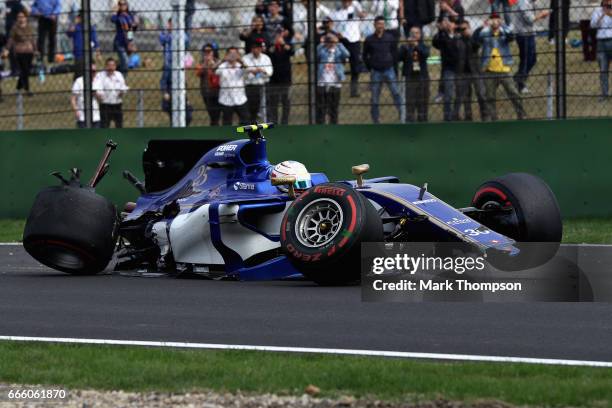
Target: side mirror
285 181
359 171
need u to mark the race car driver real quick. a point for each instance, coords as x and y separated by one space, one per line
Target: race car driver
292 168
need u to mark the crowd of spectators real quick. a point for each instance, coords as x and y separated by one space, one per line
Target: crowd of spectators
383 38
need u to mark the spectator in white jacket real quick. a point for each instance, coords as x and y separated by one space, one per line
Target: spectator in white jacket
259 69
232 97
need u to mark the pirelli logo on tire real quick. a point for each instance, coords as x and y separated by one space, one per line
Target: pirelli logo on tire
335 191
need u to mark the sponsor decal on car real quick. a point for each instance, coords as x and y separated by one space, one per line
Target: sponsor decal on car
428 201
222 150
458 221
244 186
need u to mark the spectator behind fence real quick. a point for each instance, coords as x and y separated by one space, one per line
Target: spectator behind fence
469 77
453 11
13 8
452 51
280 83
258 67
331 56
348 21
257 31
232 95
413 56
380 56
276 23
327 27
262 8
76 34
47 12
77 100
126 23
601 19
110 87
165 40
496 61
416 13
553 30
524 19
21 42
209 82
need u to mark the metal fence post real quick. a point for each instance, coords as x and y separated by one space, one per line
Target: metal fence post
178 63
87 60
20 111
140 109
560 62
549 96
312 61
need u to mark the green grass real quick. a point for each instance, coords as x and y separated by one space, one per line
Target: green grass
170 370
11 230
576 230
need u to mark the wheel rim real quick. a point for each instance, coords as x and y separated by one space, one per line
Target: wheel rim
319 222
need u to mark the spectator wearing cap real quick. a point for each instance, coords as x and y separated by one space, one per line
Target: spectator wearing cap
524 18
380 56
258 67
348 22
257 31
413 56
209 83
452 51
77 101
126 23
232 95
47 12
331 55
327 27
280 82
76 34
496 62
601 20
110 87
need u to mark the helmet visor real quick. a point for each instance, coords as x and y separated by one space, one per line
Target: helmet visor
302 184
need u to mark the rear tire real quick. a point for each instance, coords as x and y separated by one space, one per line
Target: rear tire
71 229
534 217
323 229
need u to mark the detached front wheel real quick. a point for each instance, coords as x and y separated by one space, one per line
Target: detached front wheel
323 229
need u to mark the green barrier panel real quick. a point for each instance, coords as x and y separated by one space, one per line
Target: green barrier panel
574 157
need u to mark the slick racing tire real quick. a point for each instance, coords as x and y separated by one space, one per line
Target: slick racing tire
533 215
322 232
71 229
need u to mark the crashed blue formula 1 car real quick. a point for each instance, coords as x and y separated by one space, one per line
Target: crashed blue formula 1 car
230 214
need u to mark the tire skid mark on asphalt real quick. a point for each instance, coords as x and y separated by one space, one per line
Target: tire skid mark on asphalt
313 350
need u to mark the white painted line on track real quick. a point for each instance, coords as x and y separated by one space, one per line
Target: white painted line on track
11 244
314 350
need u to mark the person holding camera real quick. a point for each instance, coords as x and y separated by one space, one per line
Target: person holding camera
331 56
602 21
232 95
413 56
